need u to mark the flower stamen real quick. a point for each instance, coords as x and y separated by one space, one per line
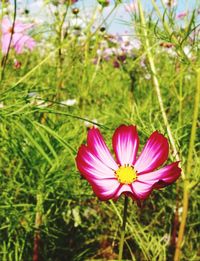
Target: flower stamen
126 174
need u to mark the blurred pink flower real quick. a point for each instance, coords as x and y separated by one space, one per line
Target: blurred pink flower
182 15
132 7
129 174
20 39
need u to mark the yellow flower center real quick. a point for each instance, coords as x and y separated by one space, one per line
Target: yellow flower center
126 174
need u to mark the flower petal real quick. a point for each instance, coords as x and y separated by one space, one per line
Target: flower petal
154 153
5 41
141 190
92 167
97 166
145 183
30 43
6 25
20 41
125 144
98 147
21 27
126 189
105 189
162 177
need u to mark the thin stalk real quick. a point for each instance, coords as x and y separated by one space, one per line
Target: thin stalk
60 53
188 171
38 222
175 226
121 243
180 119
156 84
5 58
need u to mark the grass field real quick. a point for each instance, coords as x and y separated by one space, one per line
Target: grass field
78 76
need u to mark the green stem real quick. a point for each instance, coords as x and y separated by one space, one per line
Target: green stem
188 171
167 28
180 118
61 37
156 83
121 243
5 58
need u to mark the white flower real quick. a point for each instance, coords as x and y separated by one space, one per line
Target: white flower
104 44
41 103
1 105
32 94
69 102
187 51
108 52
99 52
170 51
36 100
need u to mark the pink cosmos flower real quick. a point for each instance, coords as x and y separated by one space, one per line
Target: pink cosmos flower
20 39
129 174
182 15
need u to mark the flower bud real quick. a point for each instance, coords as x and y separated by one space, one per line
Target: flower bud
104 3
75 11
17 64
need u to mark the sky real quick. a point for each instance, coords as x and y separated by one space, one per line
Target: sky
120 20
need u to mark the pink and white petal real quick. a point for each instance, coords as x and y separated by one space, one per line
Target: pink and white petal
18 45
125 144
30 44
105 189
126 189
21 27
154 153
141 190
162 177
91 167
20 41
157 179
6 25
5 41
99 148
